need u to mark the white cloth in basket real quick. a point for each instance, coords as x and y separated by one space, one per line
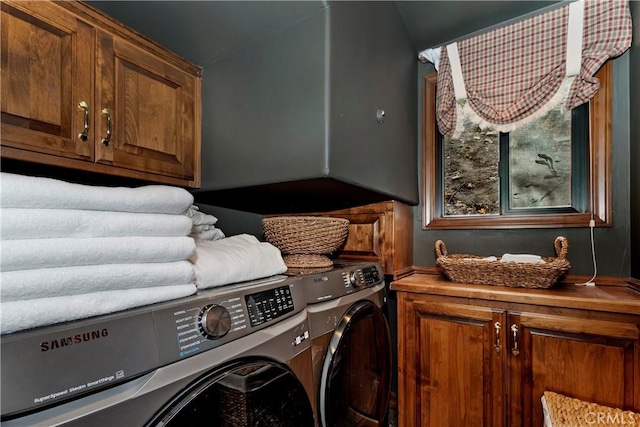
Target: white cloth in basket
526 258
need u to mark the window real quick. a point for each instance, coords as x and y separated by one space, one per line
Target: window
579 183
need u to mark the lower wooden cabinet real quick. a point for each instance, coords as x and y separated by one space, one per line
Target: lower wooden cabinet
483 356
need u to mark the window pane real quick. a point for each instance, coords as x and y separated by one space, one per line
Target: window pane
540 163
471 184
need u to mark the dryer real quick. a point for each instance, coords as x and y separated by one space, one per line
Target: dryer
234 356
351 346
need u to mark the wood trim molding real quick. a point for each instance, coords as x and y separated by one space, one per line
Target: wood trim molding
600 113
569 279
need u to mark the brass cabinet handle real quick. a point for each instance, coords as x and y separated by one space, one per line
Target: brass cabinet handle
107 139
84 135
515 350
497 346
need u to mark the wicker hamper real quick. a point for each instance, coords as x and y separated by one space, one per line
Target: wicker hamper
474 269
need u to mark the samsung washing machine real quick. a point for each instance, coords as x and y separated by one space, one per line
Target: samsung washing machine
232 356
351 345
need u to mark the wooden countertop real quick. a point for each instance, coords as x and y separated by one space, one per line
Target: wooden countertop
615 299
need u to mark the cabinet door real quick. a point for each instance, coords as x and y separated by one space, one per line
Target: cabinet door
154 110
379 232
451 365
46 73
595 360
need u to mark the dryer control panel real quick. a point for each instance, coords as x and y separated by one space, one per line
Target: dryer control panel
344 279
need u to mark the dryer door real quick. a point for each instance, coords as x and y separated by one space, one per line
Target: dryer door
247 393
356 373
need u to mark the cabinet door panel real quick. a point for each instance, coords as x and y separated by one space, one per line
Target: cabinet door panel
456 361
152 111
593 365
46 68
366 236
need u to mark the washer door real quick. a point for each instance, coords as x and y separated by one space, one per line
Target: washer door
356 375
255 393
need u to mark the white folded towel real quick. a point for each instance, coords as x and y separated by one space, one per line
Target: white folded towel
235 259
55 282
25 314
50 223
49 253
21 191
526 258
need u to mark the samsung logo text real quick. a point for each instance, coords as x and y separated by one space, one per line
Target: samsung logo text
74 339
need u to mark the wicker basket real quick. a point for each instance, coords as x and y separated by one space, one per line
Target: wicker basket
465 268
564 411
306 240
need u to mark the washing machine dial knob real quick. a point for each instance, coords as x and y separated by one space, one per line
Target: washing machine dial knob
352 279
215 321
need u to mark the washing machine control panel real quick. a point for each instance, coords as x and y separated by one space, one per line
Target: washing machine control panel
218 316
269 305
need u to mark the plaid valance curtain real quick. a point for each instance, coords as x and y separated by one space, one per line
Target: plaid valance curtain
507 77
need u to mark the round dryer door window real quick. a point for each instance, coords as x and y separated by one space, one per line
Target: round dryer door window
356 374
257 393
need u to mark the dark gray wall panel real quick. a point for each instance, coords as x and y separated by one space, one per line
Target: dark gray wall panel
204 31
634 70
263 110
372 66
437 22
612 244
233 222
302 104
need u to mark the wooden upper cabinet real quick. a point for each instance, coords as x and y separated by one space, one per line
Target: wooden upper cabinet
379 232
152 107
46 63
82 91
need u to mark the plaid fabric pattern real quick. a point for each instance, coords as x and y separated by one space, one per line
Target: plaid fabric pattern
514 71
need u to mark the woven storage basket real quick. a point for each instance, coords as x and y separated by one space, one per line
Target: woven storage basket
564 411
465 268
306 240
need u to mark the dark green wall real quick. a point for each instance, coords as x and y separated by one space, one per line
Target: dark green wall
634 72
613 245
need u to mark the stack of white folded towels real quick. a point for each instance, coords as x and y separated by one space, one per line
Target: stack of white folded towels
72 251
